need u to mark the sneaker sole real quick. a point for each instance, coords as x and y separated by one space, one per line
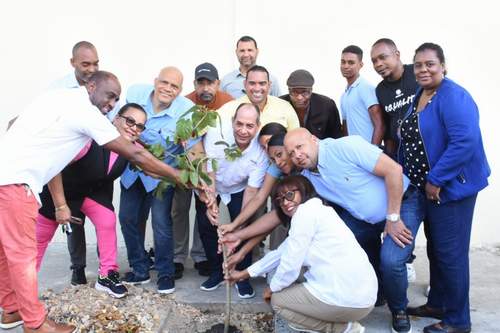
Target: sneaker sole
213 288
136 283
166 291
109 291
11 325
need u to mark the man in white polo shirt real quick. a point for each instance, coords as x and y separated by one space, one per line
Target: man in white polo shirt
46 136
236 181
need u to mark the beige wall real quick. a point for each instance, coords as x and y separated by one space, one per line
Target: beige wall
135 39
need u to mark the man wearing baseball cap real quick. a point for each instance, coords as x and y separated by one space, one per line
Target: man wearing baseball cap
206 88
317 113
206 92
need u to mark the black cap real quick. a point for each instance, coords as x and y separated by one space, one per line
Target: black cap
206 71
300 79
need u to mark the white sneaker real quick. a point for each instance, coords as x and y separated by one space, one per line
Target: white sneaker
412 274
427 291
297 328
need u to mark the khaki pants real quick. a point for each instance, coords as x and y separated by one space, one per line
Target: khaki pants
297 305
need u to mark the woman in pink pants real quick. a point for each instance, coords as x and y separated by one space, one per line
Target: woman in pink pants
88 188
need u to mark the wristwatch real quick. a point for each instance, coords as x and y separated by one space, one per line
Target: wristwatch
392 217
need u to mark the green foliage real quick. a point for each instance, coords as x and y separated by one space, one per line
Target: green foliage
192 172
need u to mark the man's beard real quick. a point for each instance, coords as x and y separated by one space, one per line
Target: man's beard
206 97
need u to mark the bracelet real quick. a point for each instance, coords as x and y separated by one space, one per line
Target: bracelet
61 207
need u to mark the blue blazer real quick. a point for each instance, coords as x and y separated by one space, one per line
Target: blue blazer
449 127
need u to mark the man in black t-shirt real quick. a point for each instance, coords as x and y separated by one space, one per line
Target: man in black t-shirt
396 91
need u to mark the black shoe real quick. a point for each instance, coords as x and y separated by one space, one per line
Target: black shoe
151 258
179 270
244 289
111 284
401 322
203 268
132 278
443 328
78 277
166 285
425 311
213 282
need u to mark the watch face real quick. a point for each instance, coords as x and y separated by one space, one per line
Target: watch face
393 217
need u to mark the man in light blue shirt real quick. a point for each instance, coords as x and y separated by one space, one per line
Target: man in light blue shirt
361 112
246 52
374 197
164 107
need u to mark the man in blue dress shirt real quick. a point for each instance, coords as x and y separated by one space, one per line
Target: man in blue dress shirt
164 107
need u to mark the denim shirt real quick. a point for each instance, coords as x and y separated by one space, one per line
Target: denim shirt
159 126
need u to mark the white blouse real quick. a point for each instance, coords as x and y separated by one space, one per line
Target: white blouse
338 271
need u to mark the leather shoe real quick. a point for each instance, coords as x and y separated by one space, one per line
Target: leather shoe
50 326
443 328
425 311
10 320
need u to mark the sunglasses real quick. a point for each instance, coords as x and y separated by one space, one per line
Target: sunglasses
131 123
288 195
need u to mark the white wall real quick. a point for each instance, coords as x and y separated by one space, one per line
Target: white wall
135 39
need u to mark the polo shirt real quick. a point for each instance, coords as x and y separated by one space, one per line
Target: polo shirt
159 127
345 177
219 100
48 134
234 176
276 110
354 104
233 84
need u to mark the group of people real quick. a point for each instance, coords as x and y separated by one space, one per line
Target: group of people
348 189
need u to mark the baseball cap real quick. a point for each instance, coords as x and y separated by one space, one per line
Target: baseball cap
206 71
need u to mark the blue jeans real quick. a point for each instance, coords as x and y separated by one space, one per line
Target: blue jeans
134 205
209 238
448 240
393 258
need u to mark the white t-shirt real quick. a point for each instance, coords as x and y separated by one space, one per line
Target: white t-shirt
48 134
234 176
338 271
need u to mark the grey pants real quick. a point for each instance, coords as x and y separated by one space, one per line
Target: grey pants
297 305
180 224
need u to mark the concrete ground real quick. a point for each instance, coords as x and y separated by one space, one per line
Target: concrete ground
484 293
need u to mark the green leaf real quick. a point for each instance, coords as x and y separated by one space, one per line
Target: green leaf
183 131
221 143
214 165
193 178
184 176
206 178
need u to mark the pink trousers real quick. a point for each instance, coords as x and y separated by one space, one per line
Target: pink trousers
18 278
104 221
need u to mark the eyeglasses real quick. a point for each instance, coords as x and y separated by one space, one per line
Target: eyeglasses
288 195
131 123
304 92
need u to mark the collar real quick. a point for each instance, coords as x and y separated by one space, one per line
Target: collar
354 84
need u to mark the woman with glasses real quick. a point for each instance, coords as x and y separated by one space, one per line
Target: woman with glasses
88 190
340 285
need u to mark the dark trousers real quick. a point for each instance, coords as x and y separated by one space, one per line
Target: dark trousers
448 239
208 234
77 246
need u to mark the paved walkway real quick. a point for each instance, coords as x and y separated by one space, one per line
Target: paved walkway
485 289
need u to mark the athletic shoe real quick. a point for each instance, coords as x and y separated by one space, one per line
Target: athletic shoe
213 282
203 268
111 284
244 289
355 327
297 328
134 279
166 285
179 270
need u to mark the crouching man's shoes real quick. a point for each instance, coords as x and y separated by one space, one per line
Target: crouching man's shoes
443 328
10 320
49 326
425 311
